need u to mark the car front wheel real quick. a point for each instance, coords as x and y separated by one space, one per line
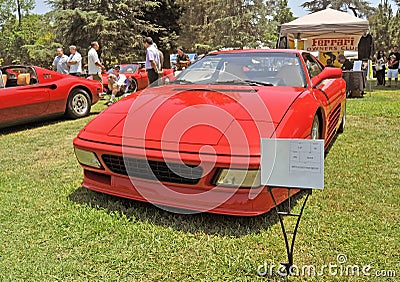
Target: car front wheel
343 123
78 104
315 128
133 86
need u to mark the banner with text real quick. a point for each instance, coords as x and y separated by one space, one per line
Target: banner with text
332 43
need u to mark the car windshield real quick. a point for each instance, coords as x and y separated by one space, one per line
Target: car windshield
126 69
246 68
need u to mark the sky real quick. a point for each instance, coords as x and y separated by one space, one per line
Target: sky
42 8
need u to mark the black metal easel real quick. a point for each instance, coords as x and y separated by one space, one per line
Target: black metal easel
281 215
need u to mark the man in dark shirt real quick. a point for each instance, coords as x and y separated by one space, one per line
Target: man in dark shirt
182 60
346 64
393 66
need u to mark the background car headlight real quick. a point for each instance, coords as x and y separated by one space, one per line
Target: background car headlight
87 158
238 178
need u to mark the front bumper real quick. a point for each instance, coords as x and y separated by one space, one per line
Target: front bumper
201 197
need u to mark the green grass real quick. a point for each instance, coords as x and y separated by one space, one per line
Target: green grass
51 229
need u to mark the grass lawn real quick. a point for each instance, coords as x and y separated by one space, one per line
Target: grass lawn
51 229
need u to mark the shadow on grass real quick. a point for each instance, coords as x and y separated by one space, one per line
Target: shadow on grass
212 224
39 123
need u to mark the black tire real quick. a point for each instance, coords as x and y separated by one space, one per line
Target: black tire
133 86
343 123
78 104
315 128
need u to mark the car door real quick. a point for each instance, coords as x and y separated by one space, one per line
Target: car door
22 97
330 94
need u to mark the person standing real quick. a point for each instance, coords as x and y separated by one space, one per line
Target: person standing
346 64
74 61
182 59
60 62
152 60
393 66
380 68
94 65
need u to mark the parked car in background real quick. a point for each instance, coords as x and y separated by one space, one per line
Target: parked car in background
137 75
194 144
29 93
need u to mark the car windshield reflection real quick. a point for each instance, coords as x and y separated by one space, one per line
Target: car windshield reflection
252 68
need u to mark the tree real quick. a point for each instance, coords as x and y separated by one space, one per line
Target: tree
164 16
118 25
359 8
18 31
381 26
214 24
282 14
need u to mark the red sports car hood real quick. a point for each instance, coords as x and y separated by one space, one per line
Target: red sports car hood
196 115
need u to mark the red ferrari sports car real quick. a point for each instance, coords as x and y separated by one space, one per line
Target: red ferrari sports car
194 144
137 75
30 93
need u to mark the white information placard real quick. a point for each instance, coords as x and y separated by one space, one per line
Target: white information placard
297 163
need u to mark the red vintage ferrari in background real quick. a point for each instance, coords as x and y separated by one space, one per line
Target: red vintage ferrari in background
29 93
195 144
137 75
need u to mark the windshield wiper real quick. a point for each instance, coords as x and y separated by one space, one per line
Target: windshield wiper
244 82
181 81
258 83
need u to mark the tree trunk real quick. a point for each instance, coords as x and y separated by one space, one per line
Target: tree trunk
19 12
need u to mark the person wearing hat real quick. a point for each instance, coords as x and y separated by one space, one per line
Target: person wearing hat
182 59
116 83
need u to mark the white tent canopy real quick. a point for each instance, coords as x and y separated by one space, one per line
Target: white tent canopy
325 22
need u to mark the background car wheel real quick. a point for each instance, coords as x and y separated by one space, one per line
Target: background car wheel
315 128
133 86
343 123
78 104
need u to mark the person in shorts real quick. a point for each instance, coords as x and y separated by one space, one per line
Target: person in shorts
393 66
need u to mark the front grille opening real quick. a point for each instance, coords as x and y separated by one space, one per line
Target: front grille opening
154 170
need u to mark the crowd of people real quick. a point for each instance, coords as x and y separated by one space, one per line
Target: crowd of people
385 66
117 82
392 63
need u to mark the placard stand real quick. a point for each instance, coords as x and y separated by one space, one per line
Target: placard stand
292 164
281 216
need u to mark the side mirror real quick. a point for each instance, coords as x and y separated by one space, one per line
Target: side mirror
327 73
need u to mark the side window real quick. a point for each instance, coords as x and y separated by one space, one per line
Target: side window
313 66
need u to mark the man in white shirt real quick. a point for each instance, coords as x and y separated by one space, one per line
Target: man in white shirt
94 65
152 60
117 83
60 62
74 61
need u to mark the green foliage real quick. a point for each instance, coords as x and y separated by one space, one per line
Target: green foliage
359 8
281 14
118 26
199 26
21 41
381 24
216 24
